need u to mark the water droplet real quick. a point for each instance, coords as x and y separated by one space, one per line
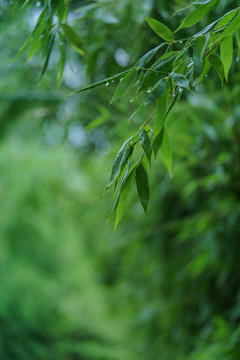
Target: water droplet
131 100
148 91
205 75
112 81
121 79
38 4
107 84
180 42
155 161
171 176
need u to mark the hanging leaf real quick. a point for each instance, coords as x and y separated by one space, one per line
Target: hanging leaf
157 142
142 186
119 163
157 91
73 38
197 54
125 83
181 80
166 151
49 50
161 110
206 68
146 144
123 197
217 64
62 60
196 15
226 19
226 50
160 29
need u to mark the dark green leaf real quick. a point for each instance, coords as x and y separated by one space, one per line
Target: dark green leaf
124 193
181 80
142 186
160 29
217 64
148 56
157 142
197 54
125 83
196 15
146 144
49 50
157 91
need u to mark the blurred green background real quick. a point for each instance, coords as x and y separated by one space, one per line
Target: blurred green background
163 287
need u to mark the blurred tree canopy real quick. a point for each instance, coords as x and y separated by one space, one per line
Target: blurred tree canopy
165 286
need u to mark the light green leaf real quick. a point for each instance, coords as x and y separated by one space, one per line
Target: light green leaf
206 68
102 82
160 29
146 144
143 186
231 28
124 194
157 91
226 19
73 38
166 151
161 111
226 50
125 83
196 15
217 64
62 60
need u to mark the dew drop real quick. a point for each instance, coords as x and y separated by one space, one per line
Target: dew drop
107 84
38 4
171 176
148 91
205 75
180 42
131 100
121 79
155 161
112 81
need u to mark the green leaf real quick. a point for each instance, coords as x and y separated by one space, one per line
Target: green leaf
226 50
231 28
146 144
49 50
157 142
119 163
226 19
197 54
166 151
125 83
62 10
196 15
217 64
124 194
148 56
160 29
62 60
180 80
99 83
161 111
142 186
114 208
206 68
157 91
73 38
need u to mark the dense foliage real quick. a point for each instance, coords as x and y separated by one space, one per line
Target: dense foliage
165 286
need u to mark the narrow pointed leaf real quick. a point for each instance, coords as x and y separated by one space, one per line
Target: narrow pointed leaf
196 15
226 50
157 142
166 151
114 208
160 29
49 50
143 186
161 111
124 194
126 82
231 28
145 59
99 83
146 144
217 64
